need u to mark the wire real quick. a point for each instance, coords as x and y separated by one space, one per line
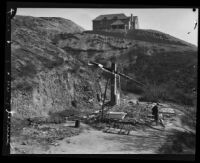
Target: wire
125 76
114 72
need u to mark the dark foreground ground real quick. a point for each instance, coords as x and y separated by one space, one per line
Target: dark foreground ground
64 138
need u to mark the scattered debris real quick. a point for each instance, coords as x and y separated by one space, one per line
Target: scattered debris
24 143
167 112
55 144
133 102
116 115
91 100
42 135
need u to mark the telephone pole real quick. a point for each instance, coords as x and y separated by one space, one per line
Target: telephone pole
114 94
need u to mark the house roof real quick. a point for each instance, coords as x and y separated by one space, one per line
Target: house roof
118 22
111 16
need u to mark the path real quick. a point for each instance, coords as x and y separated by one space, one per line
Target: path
145 140
92 141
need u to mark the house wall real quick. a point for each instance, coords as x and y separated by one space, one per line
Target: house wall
135 24
106 24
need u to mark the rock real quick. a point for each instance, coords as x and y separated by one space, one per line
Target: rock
91 100
84 117
23 143
133 102
54 143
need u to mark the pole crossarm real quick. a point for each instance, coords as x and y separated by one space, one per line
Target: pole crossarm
114 72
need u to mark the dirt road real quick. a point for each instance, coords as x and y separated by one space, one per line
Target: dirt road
142 140
92 141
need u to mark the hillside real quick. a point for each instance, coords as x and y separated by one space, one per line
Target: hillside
45 25
168 62
49 63
147 36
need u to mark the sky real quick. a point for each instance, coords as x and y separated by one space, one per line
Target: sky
176 22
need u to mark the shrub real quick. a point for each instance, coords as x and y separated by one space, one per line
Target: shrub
183 98
28 70
167 92
59 117
24 86
189 118
56 118
131 87
181 143
51 64
154 93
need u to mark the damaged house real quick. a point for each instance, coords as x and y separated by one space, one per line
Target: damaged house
115 22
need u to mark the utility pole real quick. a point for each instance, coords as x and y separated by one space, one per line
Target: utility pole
114 94
104 99
118 90
115 81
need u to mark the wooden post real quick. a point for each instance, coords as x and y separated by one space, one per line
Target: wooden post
104 98
113 85
115 94
118 90
77 124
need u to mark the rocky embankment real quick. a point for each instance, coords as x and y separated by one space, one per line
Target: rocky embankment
49 71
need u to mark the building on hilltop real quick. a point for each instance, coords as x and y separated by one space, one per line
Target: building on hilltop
115 22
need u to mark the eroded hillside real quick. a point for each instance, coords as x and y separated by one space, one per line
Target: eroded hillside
49 68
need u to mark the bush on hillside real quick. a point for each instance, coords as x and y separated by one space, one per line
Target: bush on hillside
28 70
189 118
154 93
24 86
182 98
131 87
167 92
181 143
59 117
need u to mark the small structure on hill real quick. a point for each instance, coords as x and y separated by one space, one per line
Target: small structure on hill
115 22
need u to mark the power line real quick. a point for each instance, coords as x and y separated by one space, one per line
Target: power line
114 72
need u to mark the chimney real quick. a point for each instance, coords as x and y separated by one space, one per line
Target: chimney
131 21
131 18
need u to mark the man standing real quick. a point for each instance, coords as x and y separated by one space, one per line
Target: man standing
155 113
